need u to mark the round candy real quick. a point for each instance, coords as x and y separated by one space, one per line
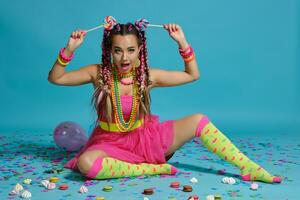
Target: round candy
193 197
26 194
109 22
83 189
54 179
107 188
18 187
254 186
187 188
194 180
148 191
27 181
175 184
63 187
142 23
210 197
51 186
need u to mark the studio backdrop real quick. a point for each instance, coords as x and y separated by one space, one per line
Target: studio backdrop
247 51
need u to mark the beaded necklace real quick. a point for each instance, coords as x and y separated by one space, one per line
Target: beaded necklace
127 75
123 75
122 125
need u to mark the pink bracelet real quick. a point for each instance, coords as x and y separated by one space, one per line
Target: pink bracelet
64 57
186 49
187 53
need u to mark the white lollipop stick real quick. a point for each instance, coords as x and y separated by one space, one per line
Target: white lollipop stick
155 25
95 28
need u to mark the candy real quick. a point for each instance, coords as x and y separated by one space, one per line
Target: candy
193 197
53 179
143 24
18 187
100 198
14 192
148 191
63 187
228 180
254 186
44 183
217 197
210 197
50 186
27 181
83 189
26 194
194 180
175 184
213 197
109 23
187 188
107 188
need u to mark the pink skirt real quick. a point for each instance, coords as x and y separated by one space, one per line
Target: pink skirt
146 144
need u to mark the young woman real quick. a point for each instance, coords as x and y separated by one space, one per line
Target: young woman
129 140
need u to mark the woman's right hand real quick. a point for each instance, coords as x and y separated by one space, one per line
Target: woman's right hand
75 40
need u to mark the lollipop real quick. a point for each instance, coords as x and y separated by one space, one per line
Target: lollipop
109 23
143 24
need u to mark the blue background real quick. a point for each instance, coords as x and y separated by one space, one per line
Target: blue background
248 56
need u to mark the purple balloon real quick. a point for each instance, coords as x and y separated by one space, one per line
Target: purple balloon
69 136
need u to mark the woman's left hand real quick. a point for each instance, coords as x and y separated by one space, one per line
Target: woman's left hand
175 31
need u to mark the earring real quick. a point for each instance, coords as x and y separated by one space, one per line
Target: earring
137 63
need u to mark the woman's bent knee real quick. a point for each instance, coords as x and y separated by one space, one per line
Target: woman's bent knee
197 117
86 160
84 164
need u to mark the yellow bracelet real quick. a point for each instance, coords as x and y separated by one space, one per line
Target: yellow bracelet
61 62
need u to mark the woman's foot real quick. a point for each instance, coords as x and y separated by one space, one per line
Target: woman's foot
257 173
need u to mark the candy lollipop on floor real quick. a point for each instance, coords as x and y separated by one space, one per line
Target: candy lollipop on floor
108 24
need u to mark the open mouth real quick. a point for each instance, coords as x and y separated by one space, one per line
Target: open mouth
125 66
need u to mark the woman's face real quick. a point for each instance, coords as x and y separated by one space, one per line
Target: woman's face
125 52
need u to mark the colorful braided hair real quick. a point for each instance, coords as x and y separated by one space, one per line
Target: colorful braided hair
101 98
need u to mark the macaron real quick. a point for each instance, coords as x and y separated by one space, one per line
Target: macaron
217 197
100 198
107 188
63 187
148 191
193 197
175 184
187 188
53 179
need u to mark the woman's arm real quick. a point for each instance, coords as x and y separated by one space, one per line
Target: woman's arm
84 75
163 78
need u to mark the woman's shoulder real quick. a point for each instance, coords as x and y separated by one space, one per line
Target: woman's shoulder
93 69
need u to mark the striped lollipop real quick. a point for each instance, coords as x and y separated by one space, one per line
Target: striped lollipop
108 24
143 24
